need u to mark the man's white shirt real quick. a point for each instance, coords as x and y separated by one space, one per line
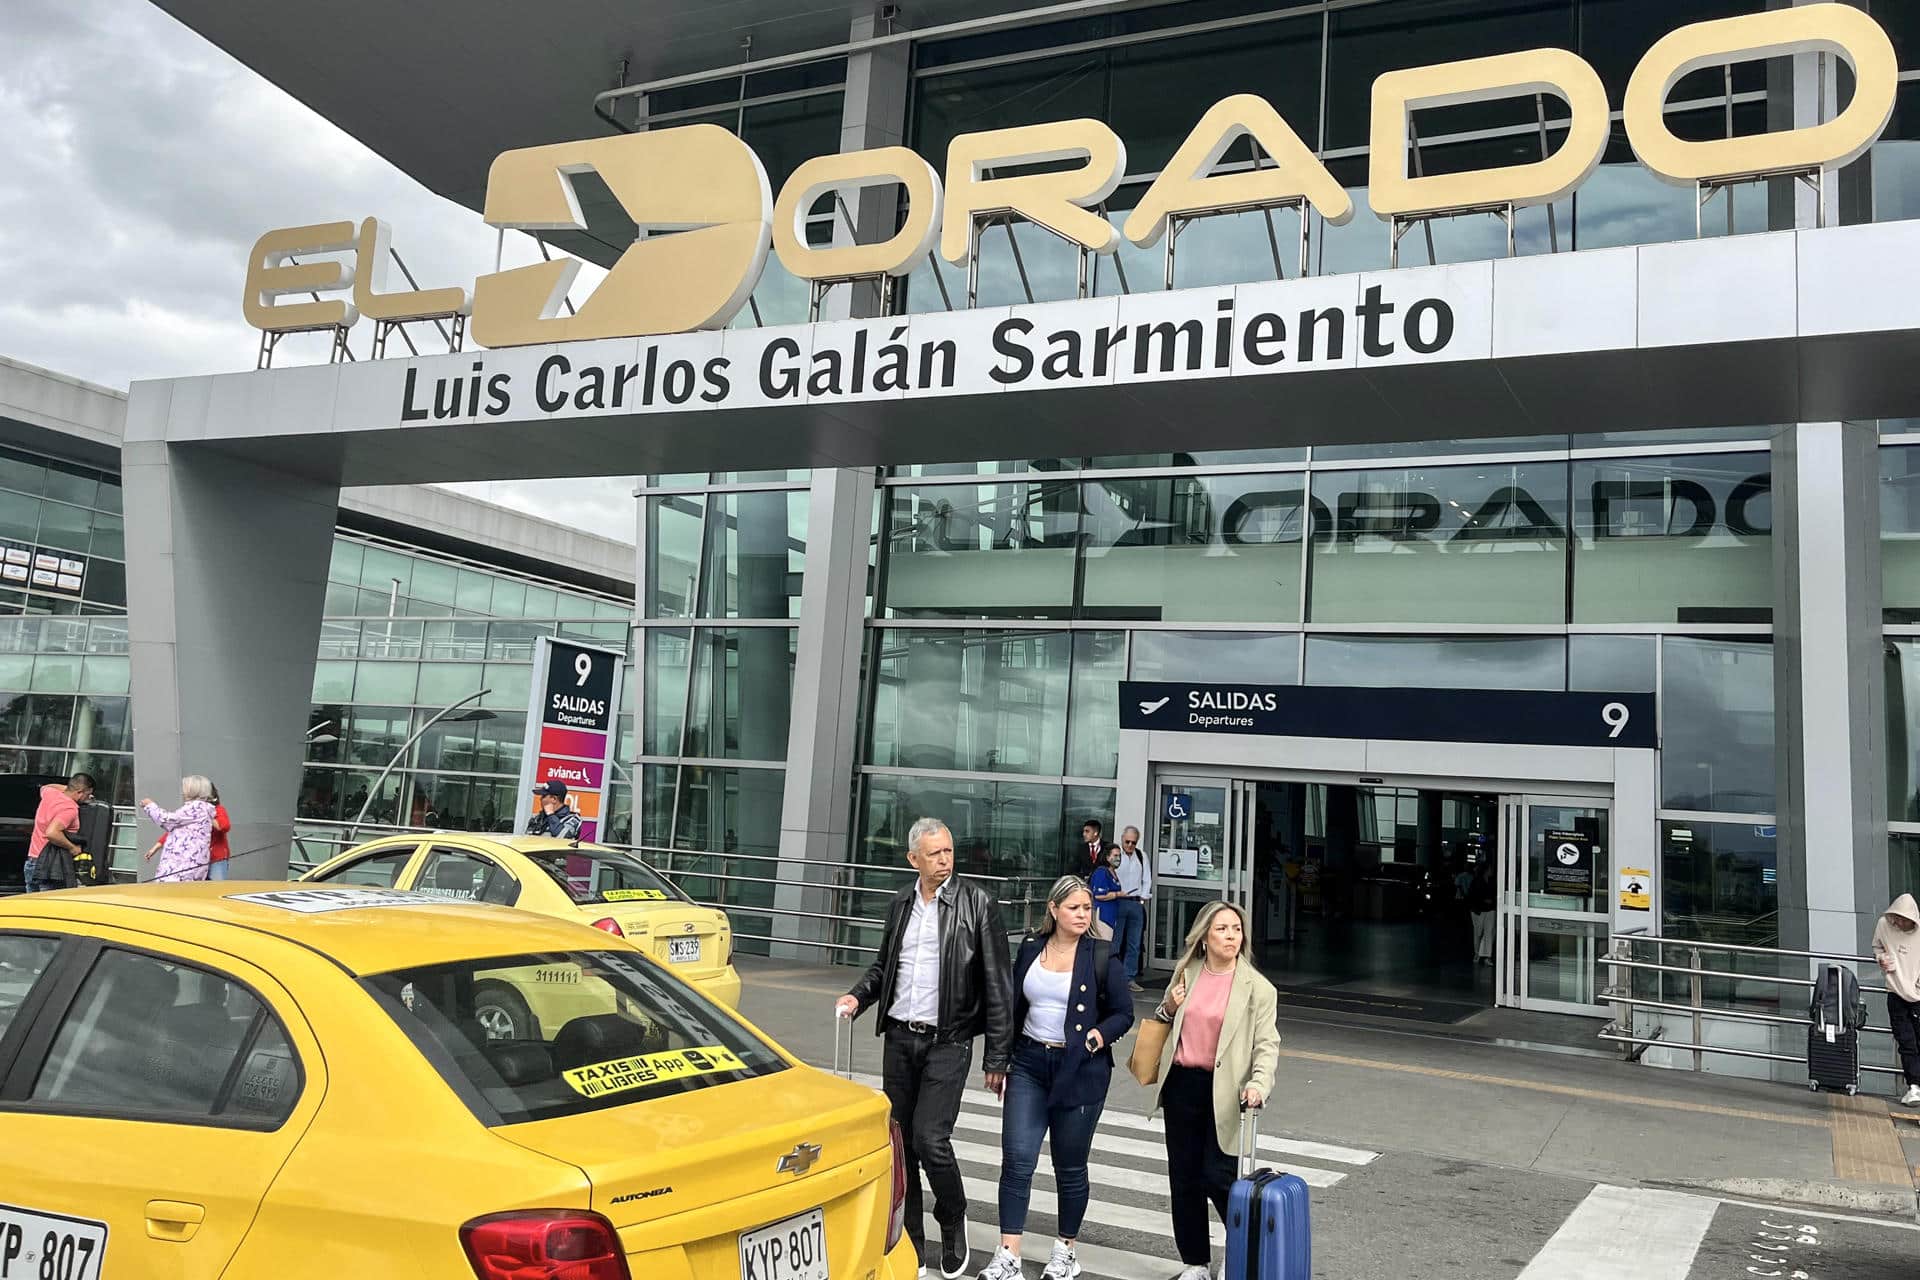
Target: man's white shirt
917 990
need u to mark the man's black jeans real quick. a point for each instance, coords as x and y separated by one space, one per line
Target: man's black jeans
924 1079
1905 1016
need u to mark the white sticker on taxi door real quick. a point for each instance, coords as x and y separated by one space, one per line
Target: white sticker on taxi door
49 1246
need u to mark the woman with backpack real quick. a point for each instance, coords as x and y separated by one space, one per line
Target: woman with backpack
1070 1003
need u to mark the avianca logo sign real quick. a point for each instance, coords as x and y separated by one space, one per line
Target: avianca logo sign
710 189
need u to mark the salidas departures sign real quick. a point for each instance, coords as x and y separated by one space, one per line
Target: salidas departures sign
1523 717
573 712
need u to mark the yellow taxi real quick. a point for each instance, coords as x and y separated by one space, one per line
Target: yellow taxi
607 888
244 1080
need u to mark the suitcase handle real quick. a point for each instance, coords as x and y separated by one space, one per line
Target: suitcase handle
842 1022
1249 1139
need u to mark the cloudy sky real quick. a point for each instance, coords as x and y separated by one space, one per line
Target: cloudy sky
142 163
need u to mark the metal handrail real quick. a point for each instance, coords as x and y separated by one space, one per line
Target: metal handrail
1619 994
1010 892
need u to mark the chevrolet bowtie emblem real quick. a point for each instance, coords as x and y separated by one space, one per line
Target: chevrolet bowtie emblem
800 1159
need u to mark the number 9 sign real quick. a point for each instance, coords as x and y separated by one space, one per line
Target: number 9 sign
1616 716
583 667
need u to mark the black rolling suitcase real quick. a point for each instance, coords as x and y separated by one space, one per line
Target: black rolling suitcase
95 837
1837 1011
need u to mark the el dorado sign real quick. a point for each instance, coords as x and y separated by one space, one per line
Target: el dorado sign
710 190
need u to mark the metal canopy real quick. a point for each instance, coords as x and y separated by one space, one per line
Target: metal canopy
512 74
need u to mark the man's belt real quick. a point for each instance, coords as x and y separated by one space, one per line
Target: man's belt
917 1028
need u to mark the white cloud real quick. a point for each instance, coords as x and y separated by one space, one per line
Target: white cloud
144 162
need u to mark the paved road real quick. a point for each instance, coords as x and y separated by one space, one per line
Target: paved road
1454 1162
1387 1214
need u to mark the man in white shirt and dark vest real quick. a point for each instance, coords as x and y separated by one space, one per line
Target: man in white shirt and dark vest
940 980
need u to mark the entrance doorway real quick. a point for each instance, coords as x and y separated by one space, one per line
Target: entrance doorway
1426 901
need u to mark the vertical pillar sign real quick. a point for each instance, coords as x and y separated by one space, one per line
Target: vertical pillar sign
572 727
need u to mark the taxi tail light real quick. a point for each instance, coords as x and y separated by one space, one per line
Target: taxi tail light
897 1213
544 1244
611 925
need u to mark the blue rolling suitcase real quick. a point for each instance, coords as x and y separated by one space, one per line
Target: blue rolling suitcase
1268 1236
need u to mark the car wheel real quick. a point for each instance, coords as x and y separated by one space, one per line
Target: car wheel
502 1014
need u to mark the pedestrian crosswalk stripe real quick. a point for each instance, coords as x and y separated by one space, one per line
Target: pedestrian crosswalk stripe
1269 1146
1100 1176
1627 1233
973 1122
1095 1260
1125 1217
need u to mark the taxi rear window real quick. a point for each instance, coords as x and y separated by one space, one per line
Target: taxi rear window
531 1037
605 875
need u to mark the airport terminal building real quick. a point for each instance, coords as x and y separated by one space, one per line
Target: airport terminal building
1568 541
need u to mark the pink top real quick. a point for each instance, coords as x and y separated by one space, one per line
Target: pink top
1206 1009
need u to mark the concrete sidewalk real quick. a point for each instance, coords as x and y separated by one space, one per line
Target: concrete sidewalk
1465 1103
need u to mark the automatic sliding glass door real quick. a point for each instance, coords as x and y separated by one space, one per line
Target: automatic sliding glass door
1555 869
1198 820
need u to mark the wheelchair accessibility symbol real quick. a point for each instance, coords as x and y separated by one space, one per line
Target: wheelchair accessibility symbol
1179 806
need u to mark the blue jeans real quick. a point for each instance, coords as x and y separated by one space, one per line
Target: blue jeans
1025 1120
33 881
217 870
1130 934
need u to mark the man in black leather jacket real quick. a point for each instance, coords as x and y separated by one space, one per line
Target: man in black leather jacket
940 980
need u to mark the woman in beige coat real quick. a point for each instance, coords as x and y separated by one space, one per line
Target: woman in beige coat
1221 1054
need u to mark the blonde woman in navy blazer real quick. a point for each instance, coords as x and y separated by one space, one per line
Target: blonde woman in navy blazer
1068 1009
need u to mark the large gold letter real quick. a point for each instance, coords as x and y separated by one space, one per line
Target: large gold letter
370 281
698 181
1397 94
1815 28
1188 184
1057 201
269 276
855 171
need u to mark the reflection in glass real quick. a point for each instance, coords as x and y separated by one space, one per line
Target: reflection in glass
729 810
1673 539
668 655
1612 664
1093 734
756 552
1438 662
1900 532
673 554
1199 548
1243 657
976 701
1903 863
999 828
742 693
1472 544
1903 729
959 551
1719 882
1716 713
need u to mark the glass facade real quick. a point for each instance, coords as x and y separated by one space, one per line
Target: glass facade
1009 607
408 634
1151 73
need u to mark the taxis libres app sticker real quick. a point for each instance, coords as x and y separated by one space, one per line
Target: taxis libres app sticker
644 1069
634 895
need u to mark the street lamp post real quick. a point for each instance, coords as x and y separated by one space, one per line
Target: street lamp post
399 755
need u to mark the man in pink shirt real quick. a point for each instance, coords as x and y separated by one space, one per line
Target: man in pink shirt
51 850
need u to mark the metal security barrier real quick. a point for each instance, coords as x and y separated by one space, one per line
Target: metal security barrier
1709 986
853 896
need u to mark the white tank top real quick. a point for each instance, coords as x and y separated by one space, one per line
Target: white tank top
1046 1004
